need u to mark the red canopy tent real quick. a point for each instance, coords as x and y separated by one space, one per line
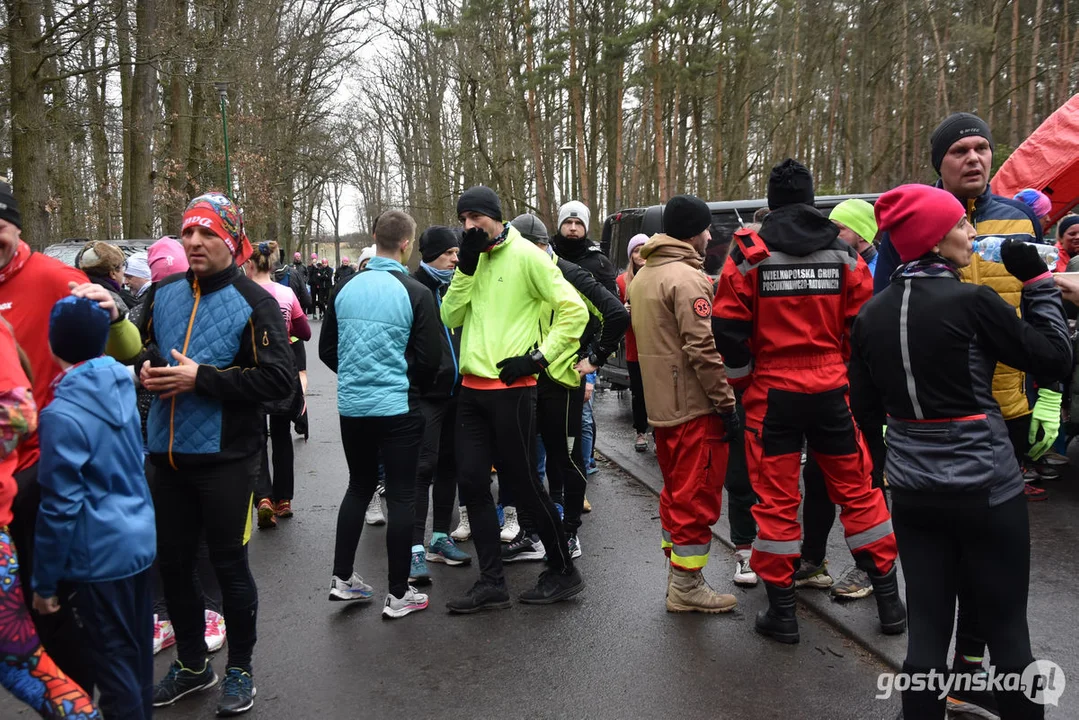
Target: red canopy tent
1048 160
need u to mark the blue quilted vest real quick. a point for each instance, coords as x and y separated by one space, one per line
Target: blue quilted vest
190 424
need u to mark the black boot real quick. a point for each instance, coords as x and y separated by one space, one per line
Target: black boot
893 614
779 621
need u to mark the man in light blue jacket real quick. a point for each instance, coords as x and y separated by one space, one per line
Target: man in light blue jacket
382 336
95 526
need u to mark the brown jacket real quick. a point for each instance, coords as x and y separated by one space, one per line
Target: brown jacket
671 308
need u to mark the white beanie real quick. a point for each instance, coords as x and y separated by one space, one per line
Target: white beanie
137 266
573 209
367 254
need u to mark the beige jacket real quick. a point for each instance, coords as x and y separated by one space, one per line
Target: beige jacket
671 308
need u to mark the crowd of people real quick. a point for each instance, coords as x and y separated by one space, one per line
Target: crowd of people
913 355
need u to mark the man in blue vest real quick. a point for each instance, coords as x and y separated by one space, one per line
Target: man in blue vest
216 349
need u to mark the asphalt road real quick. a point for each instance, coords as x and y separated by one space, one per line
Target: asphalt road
611 652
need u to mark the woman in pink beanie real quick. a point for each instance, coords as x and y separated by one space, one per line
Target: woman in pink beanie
166 257
636 386
923 353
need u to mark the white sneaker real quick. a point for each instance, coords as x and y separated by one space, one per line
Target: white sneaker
413 601
215 631
464 530
352 589
511 528
374 515
743 574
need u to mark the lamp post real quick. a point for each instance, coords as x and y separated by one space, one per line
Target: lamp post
222 91
567 173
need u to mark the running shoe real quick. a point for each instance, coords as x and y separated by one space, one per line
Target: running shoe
512 528
464 529
215 630
813 576
283 509
352 589
413 601
525 547
164 634
181 681
852 584
418 572
374 515
237 692
266 519
743 573
444 550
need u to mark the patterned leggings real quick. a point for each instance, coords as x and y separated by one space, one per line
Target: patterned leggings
25 669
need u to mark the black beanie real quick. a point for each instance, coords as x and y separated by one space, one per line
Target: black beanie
480 199
954 128
436 240
789 184
78 329
9 208
686 216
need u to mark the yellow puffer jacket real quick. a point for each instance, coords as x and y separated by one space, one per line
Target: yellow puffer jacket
1009 384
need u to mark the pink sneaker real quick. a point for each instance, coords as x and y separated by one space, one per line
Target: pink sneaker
164 635
215 631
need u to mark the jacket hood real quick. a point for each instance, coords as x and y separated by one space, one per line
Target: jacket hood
662 249
798 230
573 250
92 386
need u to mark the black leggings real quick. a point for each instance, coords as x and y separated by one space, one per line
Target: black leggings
740 495
558 416
60 633
283 484
214 501
503 421
946 540
393 440
636 389
438 464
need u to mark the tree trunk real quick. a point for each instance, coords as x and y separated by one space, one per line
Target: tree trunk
29 132
143 117
1013 75
543 198
657 108
1033 84
123 39
578 109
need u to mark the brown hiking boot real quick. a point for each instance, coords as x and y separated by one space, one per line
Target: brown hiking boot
688 592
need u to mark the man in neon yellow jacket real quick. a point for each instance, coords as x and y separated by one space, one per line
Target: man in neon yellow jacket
501 285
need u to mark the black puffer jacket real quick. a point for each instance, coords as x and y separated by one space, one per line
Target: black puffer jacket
922 355
448 380
588 255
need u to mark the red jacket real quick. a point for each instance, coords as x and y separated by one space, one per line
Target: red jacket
786 300
29 286
631 340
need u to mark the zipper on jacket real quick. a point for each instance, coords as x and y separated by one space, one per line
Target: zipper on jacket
453 353
187 341
677 395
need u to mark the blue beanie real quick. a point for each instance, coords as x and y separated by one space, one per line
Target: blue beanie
78 329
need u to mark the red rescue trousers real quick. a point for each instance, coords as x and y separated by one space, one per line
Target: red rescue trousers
693 459
777 420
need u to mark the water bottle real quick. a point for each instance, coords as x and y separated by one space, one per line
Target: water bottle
989 249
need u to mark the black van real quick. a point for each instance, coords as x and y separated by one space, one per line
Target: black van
621 226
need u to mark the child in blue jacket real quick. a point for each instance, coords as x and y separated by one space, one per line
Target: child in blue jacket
95 528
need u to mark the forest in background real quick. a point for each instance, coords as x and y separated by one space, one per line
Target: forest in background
111 112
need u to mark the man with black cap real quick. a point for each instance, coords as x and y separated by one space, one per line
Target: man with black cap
502 285
439 246
560 390
782 316
690 404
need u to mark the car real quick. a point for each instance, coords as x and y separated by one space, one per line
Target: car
67 250
727 217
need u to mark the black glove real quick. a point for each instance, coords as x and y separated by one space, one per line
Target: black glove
515 368
473 242
1022 260
732 425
